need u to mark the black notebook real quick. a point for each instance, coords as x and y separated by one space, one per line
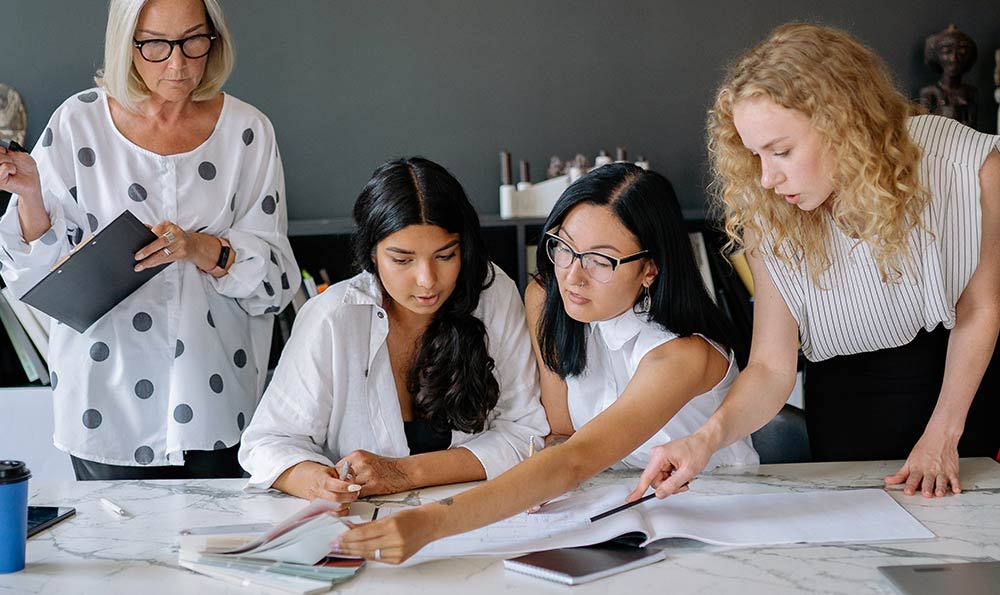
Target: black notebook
577 565
96 276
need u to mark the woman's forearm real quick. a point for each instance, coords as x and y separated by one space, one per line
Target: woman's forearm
755 398
547 475
455 465
970 348
33 217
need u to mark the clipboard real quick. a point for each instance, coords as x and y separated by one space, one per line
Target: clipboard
96 276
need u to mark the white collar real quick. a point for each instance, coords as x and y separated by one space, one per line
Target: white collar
363 289
619 330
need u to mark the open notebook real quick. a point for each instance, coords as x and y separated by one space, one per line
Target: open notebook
844 516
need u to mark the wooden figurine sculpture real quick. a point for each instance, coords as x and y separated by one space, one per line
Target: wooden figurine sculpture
954 53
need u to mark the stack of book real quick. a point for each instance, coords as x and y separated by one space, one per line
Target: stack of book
290 557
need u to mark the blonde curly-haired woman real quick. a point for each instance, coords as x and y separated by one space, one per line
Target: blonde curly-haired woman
873 236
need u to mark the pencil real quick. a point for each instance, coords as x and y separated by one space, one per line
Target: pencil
622 507
626 506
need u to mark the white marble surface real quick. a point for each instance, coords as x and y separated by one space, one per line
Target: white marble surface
99 553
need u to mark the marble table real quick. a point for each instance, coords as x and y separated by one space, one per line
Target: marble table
99 553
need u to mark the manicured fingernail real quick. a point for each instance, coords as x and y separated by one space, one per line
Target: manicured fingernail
138 269
354 488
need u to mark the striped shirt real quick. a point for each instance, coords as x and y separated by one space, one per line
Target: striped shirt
853 310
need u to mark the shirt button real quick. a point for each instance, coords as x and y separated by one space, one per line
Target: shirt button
381 314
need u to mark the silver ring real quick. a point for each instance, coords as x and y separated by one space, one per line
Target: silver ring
378 553
170 237
166 251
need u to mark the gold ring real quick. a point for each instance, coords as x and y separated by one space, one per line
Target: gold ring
166 251
170 237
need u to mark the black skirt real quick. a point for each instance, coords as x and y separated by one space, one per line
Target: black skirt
875 405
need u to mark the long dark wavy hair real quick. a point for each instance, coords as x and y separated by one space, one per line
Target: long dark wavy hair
646 205
451 376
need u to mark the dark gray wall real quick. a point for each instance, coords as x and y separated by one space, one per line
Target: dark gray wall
349 84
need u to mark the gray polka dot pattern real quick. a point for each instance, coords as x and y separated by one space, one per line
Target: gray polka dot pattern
47 138
77 236
92 419
268 289
247 137
142 322
144 455
53 379
232 204
50 237
272 310
268 205
241 421
215 382
144 389
240 358
219 445
86 156
92 220
206 170
179 349
183 414
277 196
274 258
284 281
89 97
72 192
99 351
136 192
211 321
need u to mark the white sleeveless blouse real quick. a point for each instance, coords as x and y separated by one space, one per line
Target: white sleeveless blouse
854 311
614 349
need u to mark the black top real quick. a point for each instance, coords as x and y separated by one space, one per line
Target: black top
421 437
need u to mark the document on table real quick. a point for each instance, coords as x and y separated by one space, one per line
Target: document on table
847 516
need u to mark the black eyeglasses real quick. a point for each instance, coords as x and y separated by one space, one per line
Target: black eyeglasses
158 50
598 266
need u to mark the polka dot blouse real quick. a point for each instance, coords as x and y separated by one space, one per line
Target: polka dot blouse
179 364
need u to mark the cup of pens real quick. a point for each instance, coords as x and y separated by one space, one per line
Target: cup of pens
13 514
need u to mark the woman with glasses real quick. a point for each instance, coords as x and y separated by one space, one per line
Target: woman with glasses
417 371
163 385
631 349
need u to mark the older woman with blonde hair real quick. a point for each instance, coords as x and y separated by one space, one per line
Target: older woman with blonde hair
873 236
163 385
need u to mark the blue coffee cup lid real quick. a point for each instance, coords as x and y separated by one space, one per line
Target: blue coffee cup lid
13 471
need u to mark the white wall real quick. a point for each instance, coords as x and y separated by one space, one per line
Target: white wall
26 433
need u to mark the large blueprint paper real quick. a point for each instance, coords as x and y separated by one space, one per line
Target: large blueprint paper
851 516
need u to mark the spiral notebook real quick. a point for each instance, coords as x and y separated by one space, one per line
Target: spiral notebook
578 565
96 276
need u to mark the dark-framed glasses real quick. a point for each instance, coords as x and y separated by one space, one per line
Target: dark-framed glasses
158 50
598 266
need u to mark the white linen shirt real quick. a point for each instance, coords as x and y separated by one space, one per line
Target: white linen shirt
333 391
180 363
614 350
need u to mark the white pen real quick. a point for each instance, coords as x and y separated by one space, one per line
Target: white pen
345 470
111 506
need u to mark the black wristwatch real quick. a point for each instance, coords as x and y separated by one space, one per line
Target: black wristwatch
220 266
